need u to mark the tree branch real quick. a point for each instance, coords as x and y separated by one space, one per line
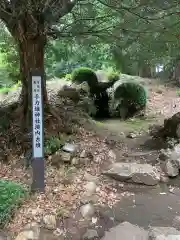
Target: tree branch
129 9
5 13
53 11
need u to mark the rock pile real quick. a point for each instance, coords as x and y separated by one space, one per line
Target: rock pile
69 154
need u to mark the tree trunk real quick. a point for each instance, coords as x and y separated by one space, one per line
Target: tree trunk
31 58
145 71
176 75
31 40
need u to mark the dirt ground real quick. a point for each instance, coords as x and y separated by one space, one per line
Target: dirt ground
117 202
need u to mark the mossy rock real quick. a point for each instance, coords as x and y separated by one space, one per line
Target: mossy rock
130 96
113 76
132 93
84 74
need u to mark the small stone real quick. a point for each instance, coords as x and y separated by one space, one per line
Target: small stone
87 211
90 178
122 134
90 188
4 236
89 155
112 155
164 155
90 234
58 232
164 179
176 223
89 199
70 148
131 135
175 157
56 160
27 234
170 168
85 161
49 221
66 157
32 226
83 154
75 161
94 220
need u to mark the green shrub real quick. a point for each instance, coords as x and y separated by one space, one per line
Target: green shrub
53 144
84 74
113 76
131 93
11 196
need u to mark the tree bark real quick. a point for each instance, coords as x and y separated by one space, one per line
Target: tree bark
29 34
176 75
145 71
31 58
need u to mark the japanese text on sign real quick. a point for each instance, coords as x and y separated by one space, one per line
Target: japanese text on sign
37 117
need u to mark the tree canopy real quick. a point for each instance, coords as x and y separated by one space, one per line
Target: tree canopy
133 36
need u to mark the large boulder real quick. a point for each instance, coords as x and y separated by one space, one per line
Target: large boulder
134 172
69 92
170 168
126 231
171 127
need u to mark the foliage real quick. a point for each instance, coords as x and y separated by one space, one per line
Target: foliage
128 36
113 76
68 77
84 74
9 57
63 55
12 195
131 94
53 144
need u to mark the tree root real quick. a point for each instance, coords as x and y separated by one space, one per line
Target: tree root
53 111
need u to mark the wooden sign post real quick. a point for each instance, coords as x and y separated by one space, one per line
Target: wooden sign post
38 133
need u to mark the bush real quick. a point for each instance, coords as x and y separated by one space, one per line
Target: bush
113 76
68 77
11 196
131 96
84 74
53 144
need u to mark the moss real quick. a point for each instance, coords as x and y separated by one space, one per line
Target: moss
84 74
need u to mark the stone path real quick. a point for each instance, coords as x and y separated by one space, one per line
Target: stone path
155 208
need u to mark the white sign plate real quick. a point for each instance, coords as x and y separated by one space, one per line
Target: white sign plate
37 117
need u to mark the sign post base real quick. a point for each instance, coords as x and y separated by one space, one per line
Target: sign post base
38 175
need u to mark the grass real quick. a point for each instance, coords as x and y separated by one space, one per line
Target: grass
11 196
8 89
138 124
178 92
